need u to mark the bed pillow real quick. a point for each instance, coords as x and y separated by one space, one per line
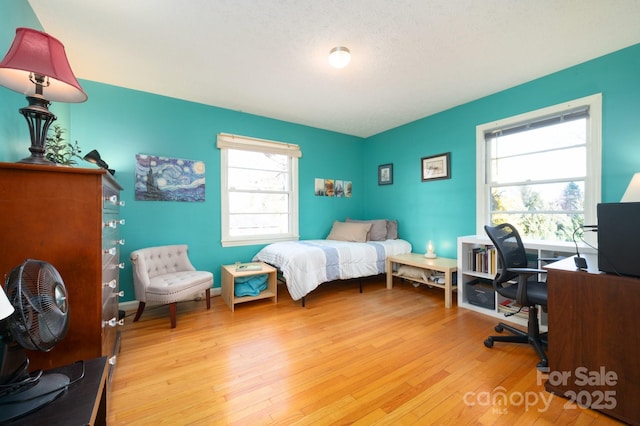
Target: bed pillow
344 231
378 231
392 229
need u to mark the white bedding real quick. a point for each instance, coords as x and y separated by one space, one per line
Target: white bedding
309 263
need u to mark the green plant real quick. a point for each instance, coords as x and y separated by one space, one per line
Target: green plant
58 150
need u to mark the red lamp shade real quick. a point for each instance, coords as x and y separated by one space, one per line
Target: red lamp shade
36 52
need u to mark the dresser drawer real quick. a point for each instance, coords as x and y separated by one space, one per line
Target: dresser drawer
111 266
111 199
111 244
110 299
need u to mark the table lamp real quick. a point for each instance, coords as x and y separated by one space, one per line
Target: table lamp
430 254
6 308
36 65
95 158
632 194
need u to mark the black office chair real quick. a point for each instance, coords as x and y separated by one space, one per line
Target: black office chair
512 267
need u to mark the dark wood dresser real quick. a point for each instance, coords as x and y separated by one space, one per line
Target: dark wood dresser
70 218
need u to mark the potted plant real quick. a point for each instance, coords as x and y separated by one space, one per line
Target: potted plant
60 151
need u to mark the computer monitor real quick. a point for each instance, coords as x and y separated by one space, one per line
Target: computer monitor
619 238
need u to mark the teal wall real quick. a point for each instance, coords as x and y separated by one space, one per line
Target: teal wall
121 123
445 209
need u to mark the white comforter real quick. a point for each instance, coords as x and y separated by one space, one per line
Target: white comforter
306 264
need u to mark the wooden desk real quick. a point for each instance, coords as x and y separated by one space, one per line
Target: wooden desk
84 403
438 264
594 338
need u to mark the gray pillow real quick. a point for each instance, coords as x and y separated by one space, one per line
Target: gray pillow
392 229
378 230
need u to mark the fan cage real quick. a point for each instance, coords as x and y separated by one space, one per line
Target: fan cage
37 292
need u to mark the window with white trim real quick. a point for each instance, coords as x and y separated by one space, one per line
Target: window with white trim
259 190
541 171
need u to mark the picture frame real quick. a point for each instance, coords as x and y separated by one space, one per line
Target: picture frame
385 174
435 167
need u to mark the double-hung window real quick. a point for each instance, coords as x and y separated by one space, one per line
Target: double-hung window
540 171
259 190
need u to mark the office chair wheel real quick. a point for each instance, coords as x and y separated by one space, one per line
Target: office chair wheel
489 342
543 365
499 329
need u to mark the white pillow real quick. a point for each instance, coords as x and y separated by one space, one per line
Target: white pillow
351 231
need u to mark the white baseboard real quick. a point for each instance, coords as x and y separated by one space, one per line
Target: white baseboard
132 305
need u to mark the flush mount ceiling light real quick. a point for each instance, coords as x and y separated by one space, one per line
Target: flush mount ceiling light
339 57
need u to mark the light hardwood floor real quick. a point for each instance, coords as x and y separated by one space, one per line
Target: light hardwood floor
380 357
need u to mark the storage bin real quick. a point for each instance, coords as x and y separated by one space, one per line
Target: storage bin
481 293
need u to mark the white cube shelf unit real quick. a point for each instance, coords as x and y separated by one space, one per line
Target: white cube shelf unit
470 252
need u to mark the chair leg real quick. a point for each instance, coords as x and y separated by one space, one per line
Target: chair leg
139 312
532 336
208 296
535 338
172 313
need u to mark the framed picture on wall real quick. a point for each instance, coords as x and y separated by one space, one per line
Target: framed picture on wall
385 174
436 167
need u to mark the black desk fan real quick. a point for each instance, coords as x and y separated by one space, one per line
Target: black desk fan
40 320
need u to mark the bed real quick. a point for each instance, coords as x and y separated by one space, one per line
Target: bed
348 252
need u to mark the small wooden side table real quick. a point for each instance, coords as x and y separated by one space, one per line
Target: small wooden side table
229 275
439 264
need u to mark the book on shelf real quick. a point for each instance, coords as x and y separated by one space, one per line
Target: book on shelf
483 259
510 306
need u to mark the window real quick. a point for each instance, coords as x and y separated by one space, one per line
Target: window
540 171
259 190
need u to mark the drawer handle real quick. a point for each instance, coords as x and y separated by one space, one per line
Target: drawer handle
120 242
112 284
121 265
114 200
113 223
120 293
112 251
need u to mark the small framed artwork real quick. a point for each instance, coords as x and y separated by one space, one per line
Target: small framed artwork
385 174
436 167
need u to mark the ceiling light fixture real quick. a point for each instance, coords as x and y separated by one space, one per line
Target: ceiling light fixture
339 57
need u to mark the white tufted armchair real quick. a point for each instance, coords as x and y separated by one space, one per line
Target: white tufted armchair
165 275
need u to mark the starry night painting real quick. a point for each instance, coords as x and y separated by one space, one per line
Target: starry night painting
169 179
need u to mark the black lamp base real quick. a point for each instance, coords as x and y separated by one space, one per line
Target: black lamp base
36 159
39 119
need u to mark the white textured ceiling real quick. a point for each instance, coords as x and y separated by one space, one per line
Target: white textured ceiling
410 58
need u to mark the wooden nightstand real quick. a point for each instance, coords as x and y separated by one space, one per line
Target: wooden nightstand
229 275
